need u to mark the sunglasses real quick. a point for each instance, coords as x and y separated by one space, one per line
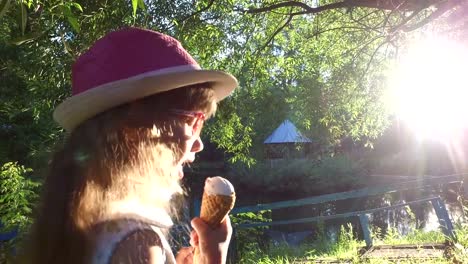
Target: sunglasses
197 115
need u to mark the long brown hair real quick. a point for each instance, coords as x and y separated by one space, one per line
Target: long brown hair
112 157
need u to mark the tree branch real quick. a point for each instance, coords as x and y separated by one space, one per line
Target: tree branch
444 7
405 20
307 9
278 30
365 45
317 33
376 4
372 58
415 6
365 26
198 11
391 13
402 5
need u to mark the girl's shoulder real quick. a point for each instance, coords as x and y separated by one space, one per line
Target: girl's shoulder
129 240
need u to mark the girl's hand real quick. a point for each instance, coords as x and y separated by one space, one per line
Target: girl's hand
185 255
212 243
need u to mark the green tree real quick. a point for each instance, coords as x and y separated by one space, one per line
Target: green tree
322 64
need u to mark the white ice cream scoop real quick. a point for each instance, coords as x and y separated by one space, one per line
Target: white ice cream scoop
218 186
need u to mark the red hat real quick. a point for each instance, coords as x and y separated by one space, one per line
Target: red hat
130 64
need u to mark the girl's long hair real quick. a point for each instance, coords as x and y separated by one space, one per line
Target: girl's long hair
122 156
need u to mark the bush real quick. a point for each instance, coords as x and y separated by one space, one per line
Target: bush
345 249
18 193
301 176
246 239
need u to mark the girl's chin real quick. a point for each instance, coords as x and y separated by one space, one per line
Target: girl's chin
180 172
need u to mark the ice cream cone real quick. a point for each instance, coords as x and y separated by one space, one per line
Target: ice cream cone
217 201
214 208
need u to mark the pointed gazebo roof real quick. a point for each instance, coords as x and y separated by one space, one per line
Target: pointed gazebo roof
286 133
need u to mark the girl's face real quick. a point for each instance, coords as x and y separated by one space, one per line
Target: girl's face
191 141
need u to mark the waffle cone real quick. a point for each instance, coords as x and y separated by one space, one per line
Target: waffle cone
214 208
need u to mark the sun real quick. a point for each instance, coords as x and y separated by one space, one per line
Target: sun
429 88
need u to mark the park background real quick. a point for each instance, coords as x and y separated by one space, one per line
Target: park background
376 86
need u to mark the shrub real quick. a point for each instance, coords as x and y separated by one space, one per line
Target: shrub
249 238
301 176
17 196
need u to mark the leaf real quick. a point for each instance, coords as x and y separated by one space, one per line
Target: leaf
71 18
4 7
141 4
134 6
77 6
24 18
65 10
74 23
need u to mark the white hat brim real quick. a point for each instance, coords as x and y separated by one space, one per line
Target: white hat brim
78 108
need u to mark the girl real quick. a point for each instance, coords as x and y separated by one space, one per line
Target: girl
135 117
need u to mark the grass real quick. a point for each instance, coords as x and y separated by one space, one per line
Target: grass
346 249
392 237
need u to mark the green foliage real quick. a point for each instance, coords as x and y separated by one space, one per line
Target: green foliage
232 136
17 195
27 14
276 254
347 249
460 247
320 71
459 250
393 237
251 237
302 176
326 72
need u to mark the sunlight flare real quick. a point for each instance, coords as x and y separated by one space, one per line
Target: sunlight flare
429 89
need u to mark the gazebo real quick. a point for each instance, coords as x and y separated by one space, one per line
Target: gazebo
287 142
